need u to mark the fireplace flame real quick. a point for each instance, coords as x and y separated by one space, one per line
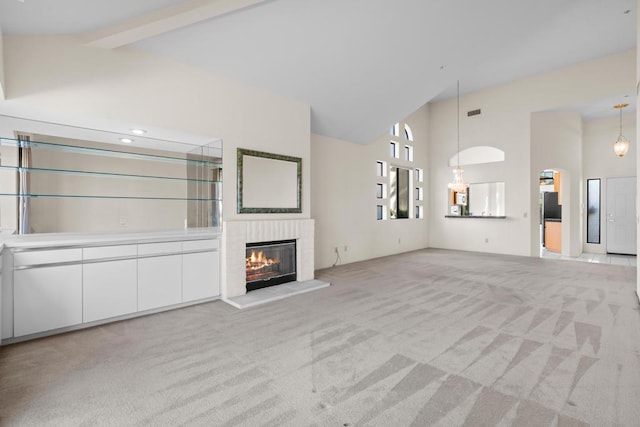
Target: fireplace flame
259 260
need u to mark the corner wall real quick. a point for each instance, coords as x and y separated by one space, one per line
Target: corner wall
344 198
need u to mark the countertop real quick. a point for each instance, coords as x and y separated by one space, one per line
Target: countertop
45 240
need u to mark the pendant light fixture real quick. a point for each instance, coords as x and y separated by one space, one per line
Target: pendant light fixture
621 146
458 185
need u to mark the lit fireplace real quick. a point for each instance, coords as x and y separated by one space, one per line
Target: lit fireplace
260 265
270 263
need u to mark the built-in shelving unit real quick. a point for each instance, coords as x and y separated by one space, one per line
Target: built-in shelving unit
111 187
95 232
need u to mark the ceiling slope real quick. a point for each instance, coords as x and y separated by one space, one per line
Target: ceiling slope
360 64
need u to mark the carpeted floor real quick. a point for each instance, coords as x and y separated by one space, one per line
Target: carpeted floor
431 337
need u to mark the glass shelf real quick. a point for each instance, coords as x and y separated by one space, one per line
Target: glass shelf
58 185
106 152
89 196
105 174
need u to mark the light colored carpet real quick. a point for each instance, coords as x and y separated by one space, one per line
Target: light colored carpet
431 337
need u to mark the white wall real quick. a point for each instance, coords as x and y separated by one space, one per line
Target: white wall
344 198
505 123
599 161
60 77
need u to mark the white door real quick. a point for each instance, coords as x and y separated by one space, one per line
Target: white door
621 215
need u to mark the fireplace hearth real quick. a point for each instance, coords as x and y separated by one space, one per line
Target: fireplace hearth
270 264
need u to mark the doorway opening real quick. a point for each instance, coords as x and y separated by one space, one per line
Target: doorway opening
550 202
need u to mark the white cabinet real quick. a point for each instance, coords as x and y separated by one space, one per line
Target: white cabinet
200 275
49 289
109 289
47 298
159 281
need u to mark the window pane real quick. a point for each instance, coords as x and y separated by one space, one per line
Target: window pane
418 175
379 212
593 211
407 132
402 193
394 150
379 191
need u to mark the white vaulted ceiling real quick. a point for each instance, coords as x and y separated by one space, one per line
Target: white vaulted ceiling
361 64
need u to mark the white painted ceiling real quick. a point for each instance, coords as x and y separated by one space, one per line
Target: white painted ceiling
362 64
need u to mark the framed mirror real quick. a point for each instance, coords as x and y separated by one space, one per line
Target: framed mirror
269 183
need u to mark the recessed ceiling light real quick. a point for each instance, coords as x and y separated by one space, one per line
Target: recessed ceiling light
138 131
126 140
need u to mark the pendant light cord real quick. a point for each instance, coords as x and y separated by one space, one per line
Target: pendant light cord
620 120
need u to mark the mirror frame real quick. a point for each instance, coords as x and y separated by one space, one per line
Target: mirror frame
241 181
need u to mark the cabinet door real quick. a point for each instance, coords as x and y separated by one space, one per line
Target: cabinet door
159 281
200 275
109 289
47 298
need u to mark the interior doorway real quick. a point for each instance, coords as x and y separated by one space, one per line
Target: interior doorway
550 202
621 215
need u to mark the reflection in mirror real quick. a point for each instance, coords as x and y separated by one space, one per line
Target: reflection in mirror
269 183
486 199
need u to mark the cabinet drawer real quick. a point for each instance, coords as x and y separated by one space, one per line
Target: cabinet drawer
109 252
27 258
200 245
159 248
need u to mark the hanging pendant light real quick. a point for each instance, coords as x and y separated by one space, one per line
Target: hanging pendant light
458 185
621 146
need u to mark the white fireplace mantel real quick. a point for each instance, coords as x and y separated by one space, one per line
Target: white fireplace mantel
236 234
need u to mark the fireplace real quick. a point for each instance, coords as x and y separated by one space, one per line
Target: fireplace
270 263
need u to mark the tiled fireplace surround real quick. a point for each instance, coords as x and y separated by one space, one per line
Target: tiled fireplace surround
238 233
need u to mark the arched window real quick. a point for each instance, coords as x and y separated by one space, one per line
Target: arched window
408 133
401 189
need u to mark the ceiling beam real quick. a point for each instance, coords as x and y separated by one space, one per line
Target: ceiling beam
162 21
